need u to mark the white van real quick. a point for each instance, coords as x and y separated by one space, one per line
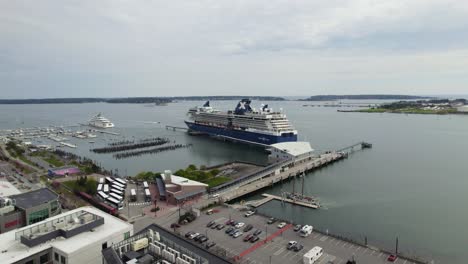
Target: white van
313 255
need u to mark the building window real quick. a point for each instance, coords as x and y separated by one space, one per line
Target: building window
127 235
38 216
44 258
54 206
104 245
30 262
63 260
56 256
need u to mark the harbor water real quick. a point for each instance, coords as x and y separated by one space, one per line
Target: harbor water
412 184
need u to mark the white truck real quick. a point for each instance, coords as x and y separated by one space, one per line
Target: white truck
312 255
306 231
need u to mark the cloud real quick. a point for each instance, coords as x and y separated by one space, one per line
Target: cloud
273 43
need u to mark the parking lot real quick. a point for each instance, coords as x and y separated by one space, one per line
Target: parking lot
134 209
275 251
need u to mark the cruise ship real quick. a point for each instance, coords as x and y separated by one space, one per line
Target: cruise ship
262 126
100 122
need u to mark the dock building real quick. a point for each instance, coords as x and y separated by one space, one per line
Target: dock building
27 208
176 189
288 150
75 237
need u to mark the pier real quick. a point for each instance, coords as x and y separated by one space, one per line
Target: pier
271 197
281 171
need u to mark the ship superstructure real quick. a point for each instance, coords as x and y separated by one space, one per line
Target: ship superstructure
100 122
244 123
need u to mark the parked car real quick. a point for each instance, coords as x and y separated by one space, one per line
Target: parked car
298 247
194 235
257 232
233 231
234 223
291 244
229 222
297 228
214 226
209 212
220 226
271 221
248 227
239 225
197 238
211 244
203 239
254 239
281 225
188 234
247 237
237 234
392 258
249 213
229 230
210 223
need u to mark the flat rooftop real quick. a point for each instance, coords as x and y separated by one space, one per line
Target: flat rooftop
7 189
34 198
12 249
294 148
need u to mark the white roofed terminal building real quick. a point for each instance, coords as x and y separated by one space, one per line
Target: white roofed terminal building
288 150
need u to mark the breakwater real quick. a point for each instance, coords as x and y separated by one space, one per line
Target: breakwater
136 145
150 151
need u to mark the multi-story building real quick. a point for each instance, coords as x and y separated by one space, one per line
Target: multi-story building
154 244
27 208
75 237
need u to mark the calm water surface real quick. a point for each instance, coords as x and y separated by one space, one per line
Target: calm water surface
411 184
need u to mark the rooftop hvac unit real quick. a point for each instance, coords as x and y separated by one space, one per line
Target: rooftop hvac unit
139 244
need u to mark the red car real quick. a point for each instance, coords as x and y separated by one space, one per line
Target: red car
247 237
392 258
229 222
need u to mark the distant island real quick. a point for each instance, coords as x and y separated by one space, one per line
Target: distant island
434 106
364 97
134 100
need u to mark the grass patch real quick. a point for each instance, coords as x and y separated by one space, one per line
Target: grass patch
54 161
217 181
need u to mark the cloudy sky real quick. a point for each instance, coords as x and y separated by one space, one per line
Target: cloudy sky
112 48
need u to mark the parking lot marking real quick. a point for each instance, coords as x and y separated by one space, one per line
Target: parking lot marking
359 248
365 251
404 262
380 254
279 251
316 235
337 243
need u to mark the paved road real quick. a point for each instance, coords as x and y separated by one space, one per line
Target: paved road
335 251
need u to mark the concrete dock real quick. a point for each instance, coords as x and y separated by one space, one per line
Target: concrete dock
270 197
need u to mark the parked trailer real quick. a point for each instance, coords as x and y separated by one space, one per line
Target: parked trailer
101 180
118 192
115 203
106 188
312 255
145 184
121 181
99 187
133 196
147 195
109 180
116 196
103 195
116 184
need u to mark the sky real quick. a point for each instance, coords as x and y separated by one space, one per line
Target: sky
126 48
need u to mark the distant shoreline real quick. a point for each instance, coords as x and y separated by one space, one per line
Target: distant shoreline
134 100
365 97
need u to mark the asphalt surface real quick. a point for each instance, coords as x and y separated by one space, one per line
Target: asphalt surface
335 251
